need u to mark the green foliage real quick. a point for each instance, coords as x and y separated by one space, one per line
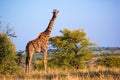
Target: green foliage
70 41
109 61
38 65
72 48
8 58
77 63
61 60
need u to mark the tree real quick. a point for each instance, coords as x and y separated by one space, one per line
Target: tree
72 48
8 56
9 31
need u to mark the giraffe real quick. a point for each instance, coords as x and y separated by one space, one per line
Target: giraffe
40 44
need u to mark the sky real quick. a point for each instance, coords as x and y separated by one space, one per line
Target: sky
100 19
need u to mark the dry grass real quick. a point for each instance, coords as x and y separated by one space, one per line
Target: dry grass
92 73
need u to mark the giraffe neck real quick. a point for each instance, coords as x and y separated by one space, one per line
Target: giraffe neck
50 26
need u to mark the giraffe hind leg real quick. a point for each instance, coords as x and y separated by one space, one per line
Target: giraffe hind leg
26 69
27 64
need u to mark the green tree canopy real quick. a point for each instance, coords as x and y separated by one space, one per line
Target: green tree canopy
71 41
72 47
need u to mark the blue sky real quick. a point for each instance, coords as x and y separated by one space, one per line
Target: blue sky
100 19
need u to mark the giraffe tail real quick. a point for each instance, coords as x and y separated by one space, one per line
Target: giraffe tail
27 60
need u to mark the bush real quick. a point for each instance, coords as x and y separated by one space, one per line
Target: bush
66 60
38 65
109 61
59 60
76 63
8 57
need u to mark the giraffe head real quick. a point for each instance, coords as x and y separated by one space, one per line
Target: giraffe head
55 12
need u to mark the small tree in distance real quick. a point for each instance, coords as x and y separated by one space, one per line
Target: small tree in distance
9 31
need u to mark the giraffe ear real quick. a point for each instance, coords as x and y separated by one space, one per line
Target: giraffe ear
57 12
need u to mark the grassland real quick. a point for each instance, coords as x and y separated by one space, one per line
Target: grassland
94 72
91 73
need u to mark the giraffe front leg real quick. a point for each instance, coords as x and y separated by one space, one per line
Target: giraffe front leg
45 60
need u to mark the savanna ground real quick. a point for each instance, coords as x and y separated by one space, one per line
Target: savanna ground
91 73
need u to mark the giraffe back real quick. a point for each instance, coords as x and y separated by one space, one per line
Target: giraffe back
39 44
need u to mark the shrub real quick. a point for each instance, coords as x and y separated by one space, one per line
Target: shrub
76 63
109 61
61 60
67 60
38 65
8 57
